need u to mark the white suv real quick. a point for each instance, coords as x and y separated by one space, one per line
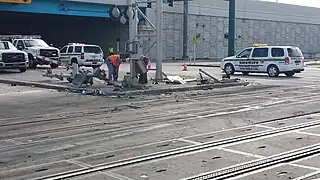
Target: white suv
82 54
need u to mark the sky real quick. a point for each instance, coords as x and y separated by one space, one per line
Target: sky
312 3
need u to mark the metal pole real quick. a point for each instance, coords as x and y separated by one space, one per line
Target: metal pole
131 37
159 40
232 27
185 30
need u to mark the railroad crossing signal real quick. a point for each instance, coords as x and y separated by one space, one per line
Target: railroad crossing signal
16 1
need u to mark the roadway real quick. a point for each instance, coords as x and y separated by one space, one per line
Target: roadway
45 132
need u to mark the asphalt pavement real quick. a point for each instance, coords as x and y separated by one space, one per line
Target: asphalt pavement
170 136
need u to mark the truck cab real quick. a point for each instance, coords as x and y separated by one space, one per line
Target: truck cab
12 58
39 52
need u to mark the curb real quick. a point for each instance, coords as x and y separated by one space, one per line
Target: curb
127 93
202 65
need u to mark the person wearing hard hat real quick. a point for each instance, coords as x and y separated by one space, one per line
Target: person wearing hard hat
113 62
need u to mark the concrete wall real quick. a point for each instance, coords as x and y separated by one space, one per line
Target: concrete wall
258 22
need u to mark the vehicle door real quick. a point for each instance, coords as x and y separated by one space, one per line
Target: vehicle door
296 57
63 55
258 59
241 63
277 57
77 54
70 53
92 53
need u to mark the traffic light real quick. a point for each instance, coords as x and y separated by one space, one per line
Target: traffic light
149 5
170 3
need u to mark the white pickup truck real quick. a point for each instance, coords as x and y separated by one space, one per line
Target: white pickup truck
11 58
39 52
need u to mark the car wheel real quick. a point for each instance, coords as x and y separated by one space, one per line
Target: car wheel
229 69
32 62
22 69
289 74
245 73
273 71
53 66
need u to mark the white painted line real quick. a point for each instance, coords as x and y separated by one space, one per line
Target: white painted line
307 133
220 131
304 166
242 153
116 176
307 175
264 126
189 141
259 156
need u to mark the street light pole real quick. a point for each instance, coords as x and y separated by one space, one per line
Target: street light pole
159 39
232 27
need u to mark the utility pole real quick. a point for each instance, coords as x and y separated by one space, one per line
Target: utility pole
185 30
159 39
131 36
232 27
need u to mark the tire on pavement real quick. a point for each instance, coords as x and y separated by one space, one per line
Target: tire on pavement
22 69
229 69
32 62
289 74
273 70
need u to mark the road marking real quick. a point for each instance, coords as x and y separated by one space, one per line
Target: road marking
307 175
242 153
116 176
189 141
304 166
264 126
307 133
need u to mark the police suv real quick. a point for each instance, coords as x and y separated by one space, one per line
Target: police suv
82 54
11 58
261 58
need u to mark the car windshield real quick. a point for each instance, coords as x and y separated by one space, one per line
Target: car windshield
4 45
294 52
7 45
36 42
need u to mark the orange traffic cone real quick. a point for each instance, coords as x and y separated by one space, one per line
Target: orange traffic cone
149 65
185 67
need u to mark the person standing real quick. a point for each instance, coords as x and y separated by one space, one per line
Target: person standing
113 62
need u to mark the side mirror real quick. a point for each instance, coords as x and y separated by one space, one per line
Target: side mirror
51 45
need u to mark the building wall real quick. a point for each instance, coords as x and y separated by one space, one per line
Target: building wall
257 22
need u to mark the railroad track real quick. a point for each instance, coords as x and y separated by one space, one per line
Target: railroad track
203 146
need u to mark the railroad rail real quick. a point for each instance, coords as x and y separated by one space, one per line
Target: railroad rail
194 148
235 170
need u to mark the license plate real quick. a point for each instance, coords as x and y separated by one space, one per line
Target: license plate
94 62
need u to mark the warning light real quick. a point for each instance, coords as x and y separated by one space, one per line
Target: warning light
258 45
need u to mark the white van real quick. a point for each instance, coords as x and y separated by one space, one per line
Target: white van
265 59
